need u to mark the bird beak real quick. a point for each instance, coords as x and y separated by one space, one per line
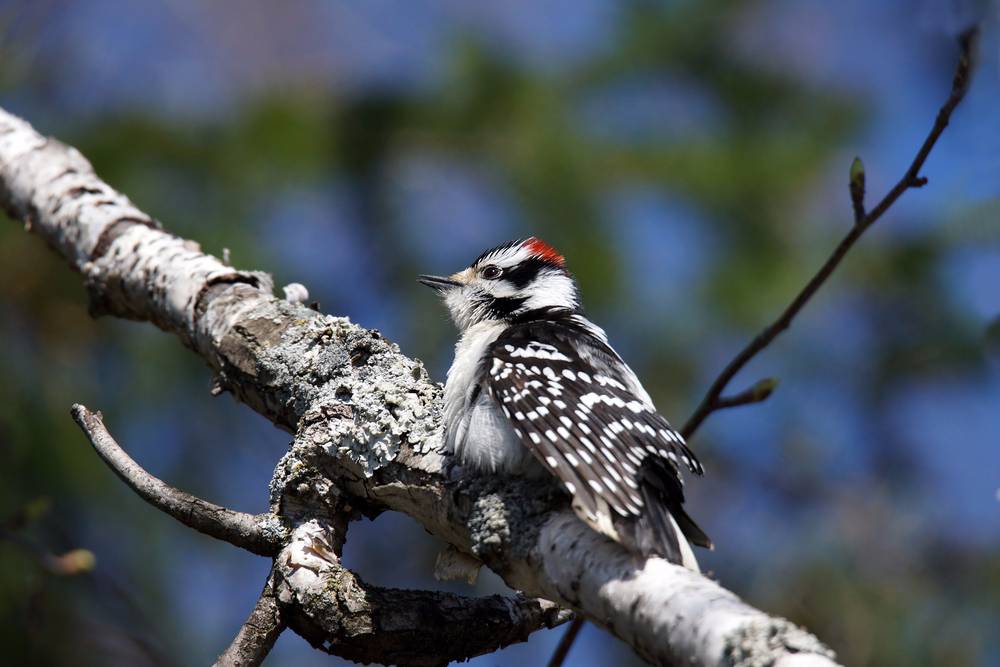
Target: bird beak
438 283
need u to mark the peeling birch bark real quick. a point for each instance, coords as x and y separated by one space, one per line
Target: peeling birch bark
366 420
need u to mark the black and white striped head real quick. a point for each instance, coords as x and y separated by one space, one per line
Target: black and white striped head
507 281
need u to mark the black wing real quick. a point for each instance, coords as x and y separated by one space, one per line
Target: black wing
567 395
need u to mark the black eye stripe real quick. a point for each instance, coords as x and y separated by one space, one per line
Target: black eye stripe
524 272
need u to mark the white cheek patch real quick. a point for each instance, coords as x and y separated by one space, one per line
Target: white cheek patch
500 288
552 289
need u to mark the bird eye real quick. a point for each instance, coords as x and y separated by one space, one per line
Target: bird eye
491 272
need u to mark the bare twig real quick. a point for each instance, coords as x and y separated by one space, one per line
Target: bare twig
566 643
713 399
257 635
238 528
856 187
758 393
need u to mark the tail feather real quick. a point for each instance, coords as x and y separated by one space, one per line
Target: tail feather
691 530
664 529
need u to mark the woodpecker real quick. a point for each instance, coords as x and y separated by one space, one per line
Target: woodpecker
535 387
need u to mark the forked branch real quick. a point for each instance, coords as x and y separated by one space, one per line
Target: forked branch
310 591
714 399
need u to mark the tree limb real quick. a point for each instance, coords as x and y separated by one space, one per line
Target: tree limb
258 633
324 602
259 534
337 612
713 399
367 421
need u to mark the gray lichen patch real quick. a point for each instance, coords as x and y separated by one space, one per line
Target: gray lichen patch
368 400
300 490
356 403
503 515
489 525
273 529
764 641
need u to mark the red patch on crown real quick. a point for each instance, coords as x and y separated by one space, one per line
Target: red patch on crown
544 251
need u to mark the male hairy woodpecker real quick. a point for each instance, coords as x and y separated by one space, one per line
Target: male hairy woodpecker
535 386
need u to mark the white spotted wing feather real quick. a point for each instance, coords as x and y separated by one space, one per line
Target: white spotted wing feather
579 409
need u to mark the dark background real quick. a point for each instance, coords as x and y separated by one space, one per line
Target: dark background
689 158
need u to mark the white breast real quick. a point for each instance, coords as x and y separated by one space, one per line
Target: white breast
475 429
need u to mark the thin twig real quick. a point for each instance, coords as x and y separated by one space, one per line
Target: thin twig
856 187
238 528
759 392
258 633
566 643
911 179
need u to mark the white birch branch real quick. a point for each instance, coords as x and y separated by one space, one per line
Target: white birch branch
327 604
367 421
